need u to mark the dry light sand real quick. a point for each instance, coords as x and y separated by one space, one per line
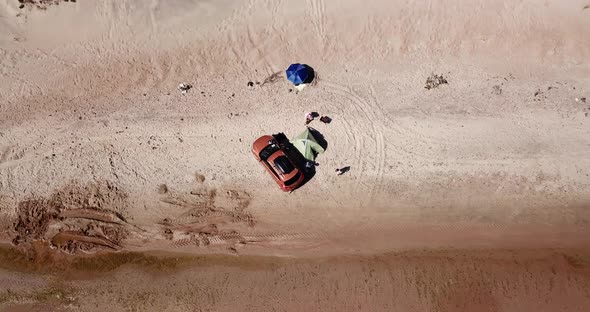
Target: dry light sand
119 192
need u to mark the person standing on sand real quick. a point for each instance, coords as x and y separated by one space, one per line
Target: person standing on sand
308 118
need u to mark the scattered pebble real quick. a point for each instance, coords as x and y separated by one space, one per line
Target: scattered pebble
199 177
162 189
497 90
168 234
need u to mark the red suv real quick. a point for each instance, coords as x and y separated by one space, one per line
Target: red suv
271 153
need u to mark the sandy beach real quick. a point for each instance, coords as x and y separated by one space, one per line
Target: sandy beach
102 156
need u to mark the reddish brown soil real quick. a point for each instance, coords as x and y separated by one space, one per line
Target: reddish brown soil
460 280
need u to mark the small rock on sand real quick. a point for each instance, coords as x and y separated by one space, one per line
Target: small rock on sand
199 177
162 189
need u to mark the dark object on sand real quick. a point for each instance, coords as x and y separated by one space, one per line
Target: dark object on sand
250 84
434 81
309 117
183 88
343 170
326 119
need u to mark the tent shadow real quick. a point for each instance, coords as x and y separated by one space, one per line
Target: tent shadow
319 137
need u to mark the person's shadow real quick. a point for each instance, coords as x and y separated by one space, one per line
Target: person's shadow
344 170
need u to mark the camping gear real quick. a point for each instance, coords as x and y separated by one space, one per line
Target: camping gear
299 73
307 145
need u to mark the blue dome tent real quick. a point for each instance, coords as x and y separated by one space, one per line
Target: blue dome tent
299 73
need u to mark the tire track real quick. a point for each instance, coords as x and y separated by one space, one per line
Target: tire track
255 44
248 48
381 146
232 37
187 220
410 234
9 67
318 14
351 138
108 14
366 111
350 123
238 59
409 137
153 7
235 237
5 153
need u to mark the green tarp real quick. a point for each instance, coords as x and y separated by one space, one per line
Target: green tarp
307 145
